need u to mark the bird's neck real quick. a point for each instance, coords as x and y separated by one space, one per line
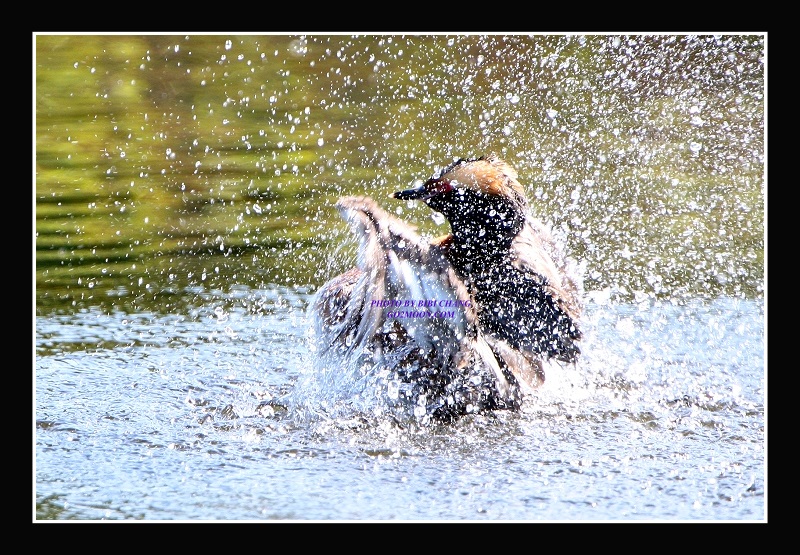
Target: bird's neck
478 235
480 222
479 254
483 227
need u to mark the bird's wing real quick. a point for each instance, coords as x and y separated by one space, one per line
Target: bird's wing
400 271
397 270
536 252
536 305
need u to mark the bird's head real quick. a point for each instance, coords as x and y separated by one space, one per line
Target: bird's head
477 196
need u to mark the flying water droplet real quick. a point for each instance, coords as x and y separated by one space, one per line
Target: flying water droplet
438 218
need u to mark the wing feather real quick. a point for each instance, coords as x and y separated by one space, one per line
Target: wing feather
358 319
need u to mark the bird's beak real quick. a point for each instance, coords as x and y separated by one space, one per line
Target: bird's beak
431 188
420 192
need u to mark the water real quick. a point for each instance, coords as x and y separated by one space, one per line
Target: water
184 417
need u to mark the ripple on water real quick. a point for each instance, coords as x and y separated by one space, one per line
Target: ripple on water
173 417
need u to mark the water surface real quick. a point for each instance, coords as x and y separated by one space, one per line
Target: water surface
198 417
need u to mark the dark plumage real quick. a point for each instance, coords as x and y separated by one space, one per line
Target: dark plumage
514 305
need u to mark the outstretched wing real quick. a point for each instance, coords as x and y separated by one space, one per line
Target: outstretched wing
375 310
395 271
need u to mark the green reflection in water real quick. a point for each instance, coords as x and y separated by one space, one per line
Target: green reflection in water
173 162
